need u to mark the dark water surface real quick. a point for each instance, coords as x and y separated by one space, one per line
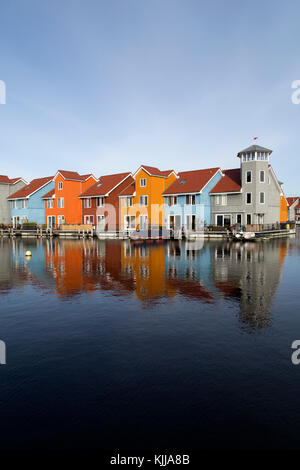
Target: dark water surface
116 345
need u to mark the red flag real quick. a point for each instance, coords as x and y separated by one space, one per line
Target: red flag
255 138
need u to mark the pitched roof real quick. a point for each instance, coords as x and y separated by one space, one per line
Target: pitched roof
291 200
231 182
129 190
153 171
49 195
31 188
7 180
191 181
73 175
104 185
255 148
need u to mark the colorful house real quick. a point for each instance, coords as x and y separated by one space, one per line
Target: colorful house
187 199
292 204
100 202
8 186
62 204
27 204
142 202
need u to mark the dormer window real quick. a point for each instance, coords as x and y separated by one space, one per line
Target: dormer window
182 181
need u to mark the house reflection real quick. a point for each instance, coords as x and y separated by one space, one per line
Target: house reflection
244 275
249 273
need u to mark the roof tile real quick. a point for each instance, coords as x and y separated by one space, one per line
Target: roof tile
191 181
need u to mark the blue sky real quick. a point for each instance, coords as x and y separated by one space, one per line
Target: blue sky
103 86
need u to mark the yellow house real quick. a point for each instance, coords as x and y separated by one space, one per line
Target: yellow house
142 203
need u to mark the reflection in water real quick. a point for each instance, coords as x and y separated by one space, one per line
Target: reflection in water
246 274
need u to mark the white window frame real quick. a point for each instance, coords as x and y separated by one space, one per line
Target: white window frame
223 215
87 203
143 182
174 215
100 201
60 185
128 225
89 219
249 203
143 201
49 203
189 198
60 203
128 201
23 204
248 182
143 216
262 192
260 173
236 217
15 204
250 218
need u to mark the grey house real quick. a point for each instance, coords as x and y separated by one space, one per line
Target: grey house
8 186
249 194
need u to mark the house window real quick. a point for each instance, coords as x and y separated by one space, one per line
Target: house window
129 222
262 176
24 204
262 198
172 200
143 222
190 199
49 203
221 200
128 201
249 219
60 203
248 176
248 198
100 201
143 200
87 203
89 219
143 182
60 185
15 204
239 219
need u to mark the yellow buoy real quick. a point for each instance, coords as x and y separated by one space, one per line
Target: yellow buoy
28 253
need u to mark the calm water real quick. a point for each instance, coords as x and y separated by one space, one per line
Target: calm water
116 345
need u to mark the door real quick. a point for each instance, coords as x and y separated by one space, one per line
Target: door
16 221
219 220
239 219
191 222
227 220
60 220
143 222
100 222
129 222
249 219
51 221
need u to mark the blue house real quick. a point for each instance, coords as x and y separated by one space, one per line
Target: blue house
27 204
187 199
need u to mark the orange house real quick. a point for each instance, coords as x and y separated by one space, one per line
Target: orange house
142 203
283 209
62 204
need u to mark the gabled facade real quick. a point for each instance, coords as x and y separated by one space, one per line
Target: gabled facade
27 204
144 208
100 202
250 194
62 204
8 186
293 202
187 199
